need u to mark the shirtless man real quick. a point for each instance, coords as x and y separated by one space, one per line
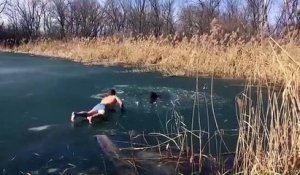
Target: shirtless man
107 103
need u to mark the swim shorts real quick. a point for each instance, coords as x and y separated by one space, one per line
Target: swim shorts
100 108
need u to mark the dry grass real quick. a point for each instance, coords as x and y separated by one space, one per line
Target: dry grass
229 58
269 126
269 138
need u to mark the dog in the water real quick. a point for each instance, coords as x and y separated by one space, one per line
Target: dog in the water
153 97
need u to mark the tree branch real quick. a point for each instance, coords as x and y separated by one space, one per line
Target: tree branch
2 6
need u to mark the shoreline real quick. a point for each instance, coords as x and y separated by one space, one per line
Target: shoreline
251 62
136 69
124 65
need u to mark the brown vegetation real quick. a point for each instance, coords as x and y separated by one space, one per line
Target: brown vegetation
262 61
269 130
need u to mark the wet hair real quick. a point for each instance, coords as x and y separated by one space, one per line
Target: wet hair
153 97
112 92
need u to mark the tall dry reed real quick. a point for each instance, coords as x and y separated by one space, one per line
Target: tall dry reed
269 126
228 57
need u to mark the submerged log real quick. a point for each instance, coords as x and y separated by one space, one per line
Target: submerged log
141 161
138 163
112 152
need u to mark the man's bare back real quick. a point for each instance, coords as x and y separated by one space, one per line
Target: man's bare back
111 101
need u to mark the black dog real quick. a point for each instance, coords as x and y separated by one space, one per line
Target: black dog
153 97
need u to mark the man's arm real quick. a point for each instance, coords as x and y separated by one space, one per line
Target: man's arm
121 104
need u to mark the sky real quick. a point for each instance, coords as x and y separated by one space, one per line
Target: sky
274 10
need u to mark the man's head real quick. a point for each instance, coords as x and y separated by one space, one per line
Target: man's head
111 92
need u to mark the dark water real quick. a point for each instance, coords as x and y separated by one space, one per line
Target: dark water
37 96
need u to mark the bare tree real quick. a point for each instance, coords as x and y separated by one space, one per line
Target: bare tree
286 17
155 15
196 18
115 14
263 21
298 14
290 13
137 16
2 5
140 6
253 14
91 18
233 17
232 8
60 10
168 16
85 17
188 22
161 17
210 6
12 17
28 15
49 27
258 11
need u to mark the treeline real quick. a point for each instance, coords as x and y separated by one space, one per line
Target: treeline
31 19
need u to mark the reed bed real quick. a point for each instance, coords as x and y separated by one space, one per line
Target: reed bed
269 127
206 55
